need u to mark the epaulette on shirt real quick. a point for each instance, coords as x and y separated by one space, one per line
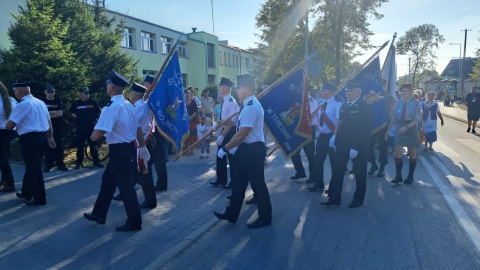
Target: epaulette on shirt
230 99
249 103
109 103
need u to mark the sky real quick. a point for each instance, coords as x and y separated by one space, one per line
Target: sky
235 21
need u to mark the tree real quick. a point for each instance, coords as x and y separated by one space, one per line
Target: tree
340 30
420 43
39 53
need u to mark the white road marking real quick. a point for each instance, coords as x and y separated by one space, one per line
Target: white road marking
442 148
472 144
465 221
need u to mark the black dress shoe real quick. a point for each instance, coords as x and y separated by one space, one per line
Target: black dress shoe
381 174
372 170
229 197
295 177
351 171
159 188
22 196
330 203
78 166
316 188
216 183
148 205
91 217
223 216
409 180
253 200
309 181
355 204
128 227
118 197
259 223
35 202
47 169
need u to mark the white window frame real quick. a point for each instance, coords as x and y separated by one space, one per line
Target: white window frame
127 41
147 41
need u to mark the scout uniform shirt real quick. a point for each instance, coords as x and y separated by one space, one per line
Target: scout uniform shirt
251 115
331 109
229 107
30 115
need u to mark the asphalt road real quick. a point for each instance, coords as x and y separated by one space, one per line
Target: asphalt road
432 224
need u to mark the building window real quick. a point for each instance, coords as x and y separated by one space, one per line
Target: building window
147 41
224 58
149 72
247 63
127 41
211 79
184 79
236 61
166 45
220 58
211 55
181 49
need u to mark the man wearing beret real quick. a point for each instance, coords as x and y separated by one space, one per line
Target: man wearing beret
120 126
160 149
32 120
55 109
248 148
85 112
229 107
351 142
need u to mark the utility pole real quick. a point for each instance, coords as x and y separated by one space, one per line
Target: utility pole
213 20
462 79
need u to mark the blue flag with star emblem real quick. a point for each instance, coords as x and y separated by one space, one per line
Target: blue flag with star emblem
167 103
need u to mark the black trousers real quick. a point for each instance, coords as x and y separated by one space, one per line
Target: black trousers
119 173
379 139
83 133
222 162
249 169
309 150
321 153
360 168
32 145
55 154
7 176
146 180
159 159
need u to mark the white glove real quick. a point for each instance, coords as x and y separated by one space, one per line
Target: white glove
221 153
214 127
331 143
220 139
353 153
144 154
233 150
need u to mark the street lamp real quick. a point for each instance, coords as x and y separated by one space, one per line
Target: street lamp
460 73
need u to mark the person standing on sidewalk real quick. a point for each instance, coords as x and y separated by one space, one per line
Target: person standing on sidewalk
473 109
207 104
328 116
55 109
86 112
32 120
407 116
351 143
7 105
160 149
120 127
229 107
248 147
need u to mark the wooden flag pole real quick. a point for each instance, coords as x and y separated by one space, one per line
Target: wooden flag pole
258 96
355 73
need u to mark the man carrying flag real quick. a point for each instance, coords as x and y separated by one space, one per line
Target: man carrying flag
142 171
229 107
328 116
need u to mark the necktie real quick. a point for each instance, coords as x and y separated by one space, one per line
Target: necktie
404 112
238 118
221 109
324 107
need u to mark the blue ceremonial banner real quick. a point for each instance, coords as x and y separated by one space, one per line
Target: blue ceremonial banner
167 102
287 115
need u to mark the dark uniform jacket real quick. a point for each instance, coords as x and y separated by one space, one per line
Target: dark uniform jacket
354 127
